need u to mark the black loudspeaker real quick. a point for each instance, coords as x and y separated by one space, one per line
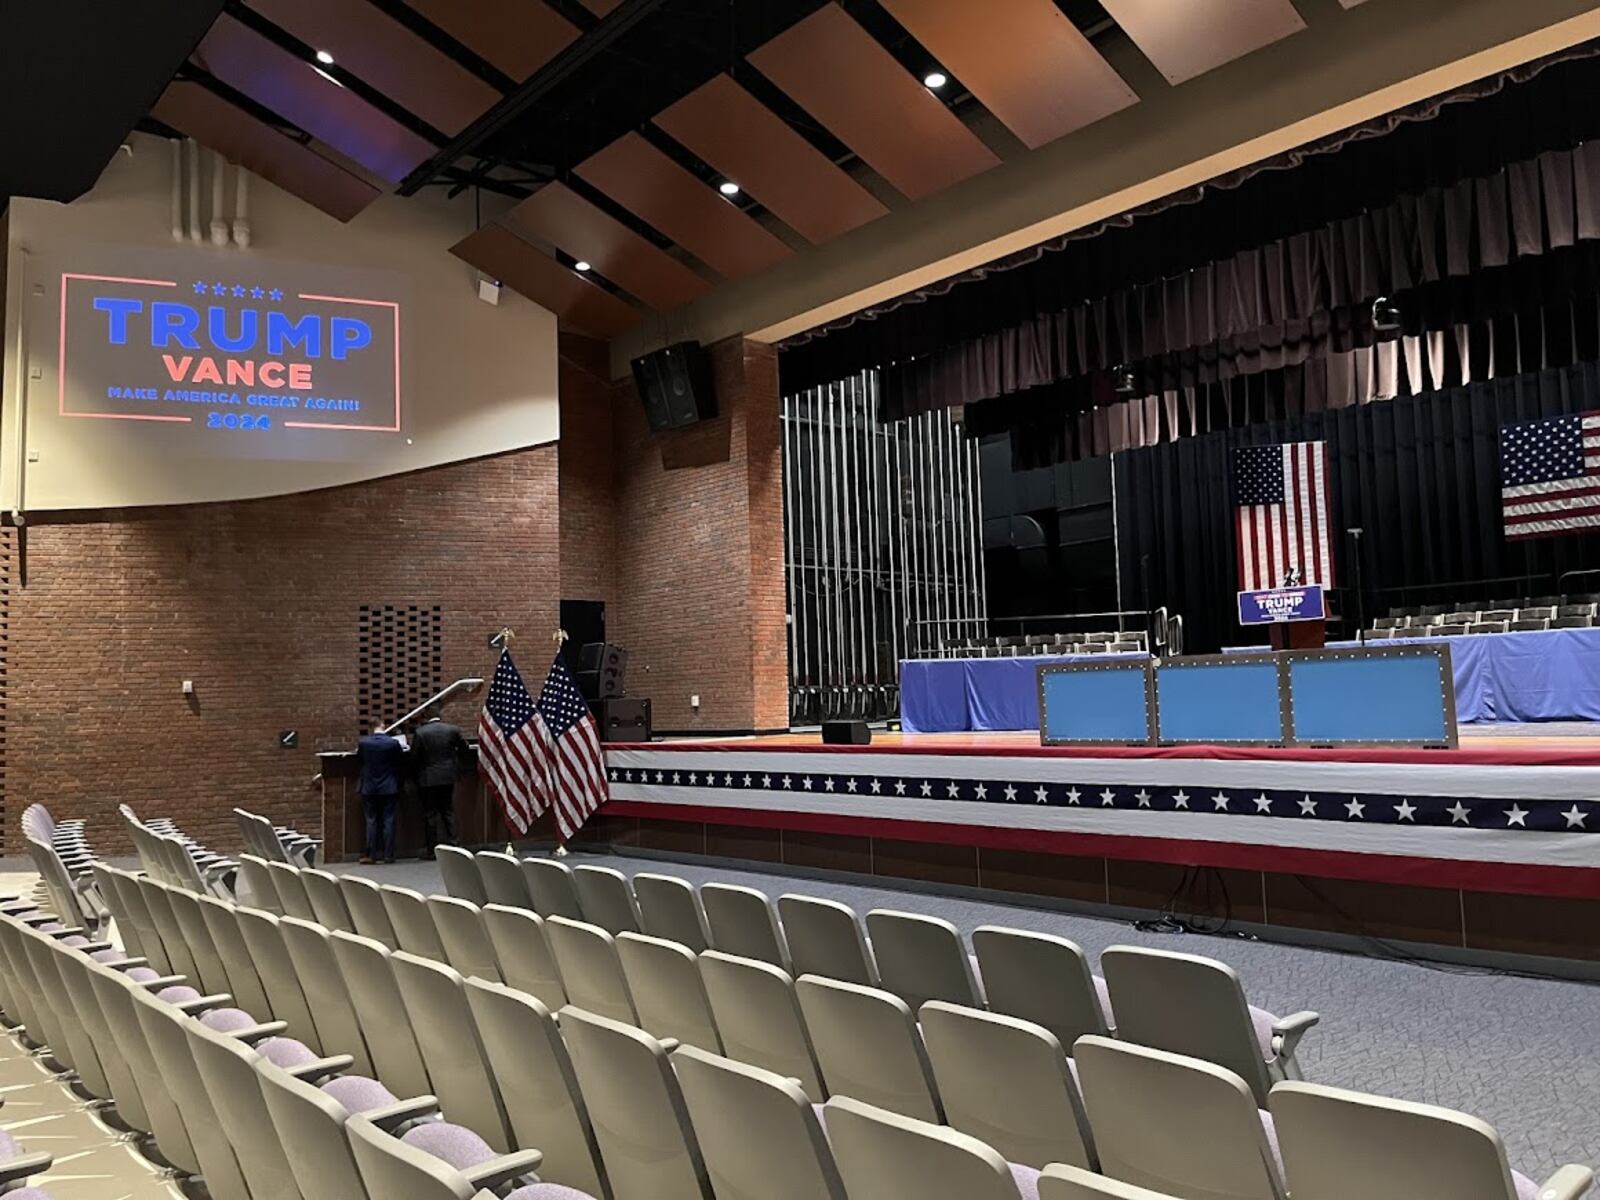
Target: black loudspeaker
675 386
623 720
846 733
602 667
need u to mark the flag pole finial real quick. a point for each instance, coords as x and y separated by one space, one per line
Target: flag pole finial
559 636
502 640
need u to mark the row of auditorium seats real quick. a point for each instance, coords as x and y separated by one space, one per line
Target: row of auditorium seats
1044 643
276 843
1456 622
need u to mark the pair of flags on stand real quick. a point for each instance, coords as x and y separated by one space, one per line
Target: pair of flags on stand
544 754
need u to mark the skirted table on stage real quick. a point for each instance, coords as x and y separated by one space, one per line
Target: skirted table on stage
1551 675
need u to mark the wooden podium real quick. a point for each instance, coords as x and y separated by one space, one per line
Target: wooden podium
1299 635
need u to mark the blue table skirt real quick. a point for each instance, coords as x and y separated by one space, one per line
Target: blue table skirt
1552 675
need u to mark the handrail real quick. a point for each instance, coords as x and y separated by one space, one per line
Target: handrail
467 686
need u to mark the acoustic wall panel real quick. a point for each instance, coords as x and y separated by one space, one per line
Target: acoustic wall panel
578 303
517 36
1190 38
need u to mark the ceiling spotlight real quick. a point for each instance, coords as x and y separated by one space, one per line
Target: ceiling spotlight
325 58
728 188
580 265
934 80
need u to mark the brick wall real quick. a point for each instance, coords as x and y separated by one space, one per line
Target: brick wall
588 478
257 603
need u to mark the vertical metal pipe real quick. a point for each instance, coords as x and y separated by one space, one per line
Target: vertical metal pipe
786 468
1116 549
874 558
818 553
835 446
974 506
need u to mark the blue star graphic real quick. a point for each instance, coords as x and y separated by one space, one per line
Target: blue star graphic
256 293
220 289
200 289
277 293
238 290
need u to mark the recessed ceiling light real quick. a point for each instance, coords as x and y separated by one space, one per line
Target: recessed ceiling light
934 80
325 58
580 265
728 188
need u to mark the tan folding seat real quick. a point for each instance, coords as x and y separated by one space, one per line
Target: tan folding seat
1176 1124
640 1121
1061 1182
339 1029
244 980
887 1156
825 938
758 1018
133 921
226 1067
368 912
670 908
1008 1083
758 1132
868 1046
466 942
292 897
177 947
503 880
742 923
327 899
279 980
121 1063
309 1123
538 1087
396 1058
1190 1005
523 951
70 1043
190 915
921 958
606 898
459 871
413 924
668 994
550 884
394 1168
591 969
257 888
1338 1144
1041 978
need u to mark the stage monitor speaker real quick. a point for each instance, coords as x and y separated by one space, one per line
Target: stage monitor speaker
623 720
675 386
846 733
602 667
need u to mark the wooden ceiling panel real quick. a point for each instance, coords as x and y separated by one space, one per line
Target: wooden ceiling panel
667 197
292 88
733 131
837 72
385 54
195 110
517 36
1189 39
1024 59
567 221
601 8
577 303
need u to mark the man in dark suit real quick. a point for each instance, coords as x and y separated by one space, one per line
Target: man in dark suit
382 759
438 752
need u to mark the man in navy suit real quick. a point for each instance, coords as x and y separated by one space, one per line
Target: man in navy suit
381 758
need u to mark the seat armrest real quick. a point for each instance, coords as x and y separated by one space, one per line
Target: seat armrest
398 1113
251 1034
668 1045
19 1167
1286 1035
1568 1183
69 931
95 947
323 1068
204 1003
497 1171
128 964
166 981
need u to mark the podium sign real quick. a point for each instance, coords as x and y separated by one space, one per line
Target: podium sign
1273 606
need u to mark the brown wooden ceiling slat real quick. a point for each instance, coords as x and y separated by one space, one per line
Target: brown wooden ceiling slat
1190 38
577 303
567 221
730 129
837 72
1023 59
193 109
517 36
601 8
291 87
381 52
667 197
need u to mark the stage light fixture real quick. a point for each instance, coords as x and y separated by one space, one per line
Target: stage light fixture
325 58
1385 315
934 80
1123 380
728 188
580 265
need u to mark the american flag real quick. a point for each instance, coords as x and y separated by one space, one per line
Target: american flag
543 755
1280 496
1550 476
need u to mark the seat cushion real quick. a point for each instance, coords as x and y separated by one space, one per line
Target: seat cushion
108 955
142 974
75 941
28 1194
227 1020
455 1144
178 993
285 1052
358 1093
1527 1189
8 1147
1263 1021
548 1191
1027 1180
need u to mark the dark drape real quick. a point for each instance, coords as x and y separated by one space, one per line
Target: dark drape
1419 475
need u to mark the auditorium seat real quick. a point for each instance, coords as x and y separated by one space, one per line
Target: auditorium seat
1498 614
1043 979
310 1123
606 899
886 1156
1337 1143
1572 623
538 1087
1460 617
339 1027
466 942
1525 625
136 930
1487 627
1536 612
414 929
1577 609
591 970
669 908
1447 630
759 1020
1379 635
1178 1124
551 887
414 1168
921 958
156 901
257 886
1391 622
1061 1182
459 871
1124 647
327 900
396 1058
522 947
1186 1004
1008 1082
69 898
868 1046
742 923
641 1123
1092 648
503 880
292 898
367 910
214 975
279 980
670 997
244 979
826 938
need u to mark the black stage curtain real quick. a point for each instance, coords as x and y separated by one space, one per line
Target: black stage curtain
1420 476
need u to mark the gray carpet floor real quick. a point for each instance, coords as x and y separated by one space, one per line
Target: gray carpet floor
1522 1054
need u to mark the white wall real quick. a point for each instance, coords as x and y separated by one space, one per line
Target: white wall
476 379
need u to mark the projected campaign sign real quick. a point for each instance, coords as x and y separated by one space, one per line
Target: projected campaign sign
241 350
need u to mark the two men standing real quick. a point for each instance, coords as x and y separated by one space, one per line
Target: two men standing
435 760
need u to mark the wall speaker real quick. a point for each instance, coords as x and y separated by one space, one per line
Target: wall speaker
675 386
846 733
602 667
623 720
